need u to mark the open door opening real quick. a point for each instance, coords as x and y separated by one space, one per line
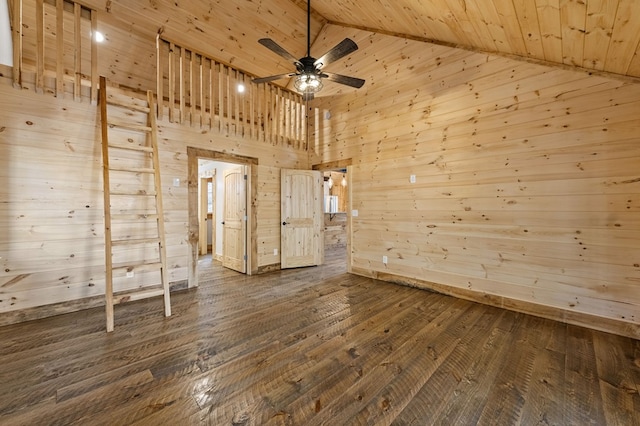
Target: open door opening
221 222
338 207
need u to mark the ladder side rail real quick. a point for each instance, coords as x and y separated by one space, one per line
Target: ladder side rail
159 205
107 206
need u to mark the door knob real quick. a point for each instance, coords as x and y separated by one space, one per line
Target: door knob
222 222
284 223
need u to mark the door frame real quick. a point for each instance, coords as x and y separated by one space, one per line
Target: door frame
193 154
343 164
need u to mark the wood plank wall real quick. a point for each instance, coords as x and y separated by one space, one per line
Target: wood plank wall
527 191
51 212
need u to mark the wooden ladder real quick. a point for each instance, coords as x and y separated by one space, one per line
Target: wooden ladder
133 215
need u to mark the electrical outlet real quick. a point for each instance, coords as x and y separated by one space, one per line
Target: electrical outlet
130 274
354 213
176 182
275 252
385 259
412 178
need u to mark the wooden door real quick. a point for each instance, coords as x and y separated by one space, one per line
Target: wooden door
234 222
302 232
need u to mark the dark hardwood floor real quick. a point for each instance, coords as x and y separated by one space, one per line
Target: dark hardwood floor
314 346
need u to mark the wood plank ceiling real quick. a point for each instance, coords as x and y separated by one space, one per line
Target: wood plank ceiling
602 36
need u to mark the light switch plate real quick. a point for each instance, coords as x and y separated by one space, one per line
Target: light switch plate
354 213
412 178
385 259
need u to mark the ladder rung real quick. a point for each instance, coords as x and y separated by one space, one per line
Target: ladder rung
132 147
130 126
130 296
132 169
138 267
133 217
141 192
140 108
132 242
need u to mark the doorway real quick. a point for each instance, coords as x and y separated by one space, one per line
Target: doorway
205 165
338 206
222 208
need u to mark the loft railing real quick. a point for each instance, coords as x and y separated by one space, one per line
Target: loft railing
55 51
53 47
199 90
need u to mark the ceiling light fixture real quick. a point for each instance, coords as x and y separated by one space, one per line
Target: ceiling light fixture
308 83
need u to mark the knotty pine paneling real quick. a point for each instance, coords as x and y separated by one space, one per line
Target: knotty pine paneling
268 237
527 187
51 205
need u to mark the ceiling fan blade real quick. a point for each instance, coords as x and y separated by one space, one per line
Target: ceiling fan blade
272 78
341 50
343 79
275 47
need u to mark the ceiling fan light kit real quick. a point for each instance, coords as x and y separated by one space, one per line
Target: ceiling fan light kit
309 73
308 83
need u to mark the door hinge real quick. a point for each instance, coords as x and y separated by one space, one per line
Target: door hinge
245 177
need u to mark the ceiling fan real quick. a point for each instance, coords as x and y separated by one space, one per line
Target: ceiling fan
309 73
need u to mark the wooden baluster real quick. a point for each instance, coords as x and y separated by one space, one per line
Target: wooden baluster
181 74
221 71
16 22
252 110
235 99
39 46
94 57
60 48
260 99
268 111
192 87
172 82
202 91
227 80
77 48
159 76
211 93
242 98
